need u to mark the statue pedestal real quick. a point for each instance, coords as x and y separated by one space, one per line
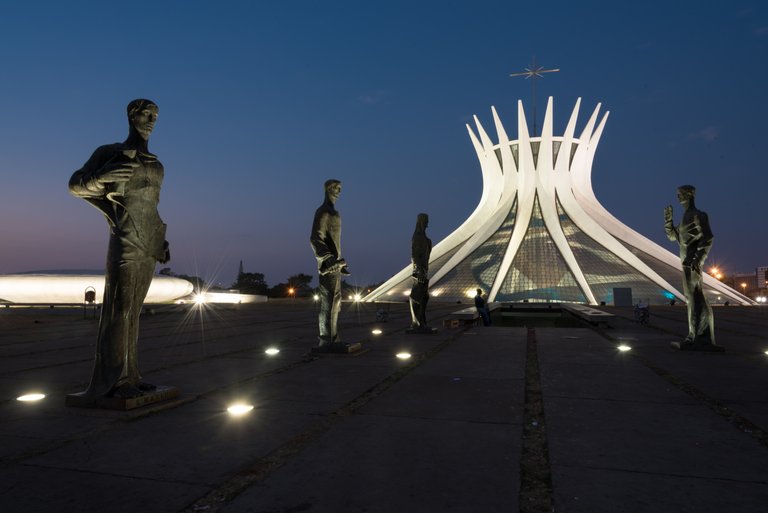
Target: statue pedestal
341 348
161 393
691 346
421 331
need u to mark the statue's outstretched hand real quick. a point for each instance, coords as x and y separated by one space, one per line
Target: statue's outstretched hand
335 266
668 213
116 172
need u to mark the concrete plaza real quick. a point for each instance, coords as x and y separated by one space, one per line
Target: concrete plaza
497 419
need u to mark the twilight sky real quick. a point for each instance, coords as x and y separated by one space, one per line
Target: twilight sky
261 102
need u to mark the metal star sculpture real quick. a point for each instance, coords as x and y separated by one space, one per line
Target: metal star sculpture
533 73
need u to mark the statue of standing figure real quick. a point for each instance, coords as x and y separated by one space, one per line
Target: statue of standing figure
421 248
123 180
326 244
694 236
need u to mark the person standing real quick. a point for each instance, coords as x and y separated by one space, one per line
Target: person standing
482 308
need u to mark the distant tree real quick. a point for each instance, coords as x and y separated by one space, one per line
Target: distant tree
198 283
279 290
251 283
301 284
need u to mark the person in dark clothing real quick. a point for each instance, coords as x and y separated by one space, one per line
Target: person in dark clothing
482 308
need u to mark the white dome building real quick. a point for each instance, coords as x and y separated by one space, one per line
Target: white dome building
539 234
52 289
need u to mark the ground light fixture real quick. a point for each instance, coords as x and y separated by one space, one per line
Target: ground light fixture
272 351
200 299
624 348
31 398
239 409
403 355
377 331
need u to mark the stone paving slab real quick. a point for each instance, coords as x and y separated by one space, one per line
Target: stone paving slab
494 353
726 378
756 411
738 379
197 443
35 489
51 380
318 382
443 397
619 381
28 421
620 436
25 363
211 373
653 438
588 490
384 464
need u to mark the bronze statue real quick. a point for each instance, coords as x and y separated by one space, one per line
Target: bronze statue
123 181
326 243
421 247
695 238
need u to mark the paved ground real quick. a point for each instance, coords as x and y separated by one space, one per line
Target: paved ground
478 420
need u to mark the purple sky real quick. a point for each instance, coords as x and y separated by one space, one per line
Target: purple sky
261 102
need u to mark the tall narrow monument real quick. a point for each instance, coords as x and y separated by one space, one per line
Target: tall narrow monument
540 234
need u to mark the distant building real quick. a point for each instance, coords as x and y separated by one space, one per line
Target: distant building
744 283
762 277
53 289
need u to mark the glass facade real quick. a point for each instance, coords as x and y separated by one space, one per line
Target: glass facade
479 268
604 270
403 289
535 151
538 272
674 276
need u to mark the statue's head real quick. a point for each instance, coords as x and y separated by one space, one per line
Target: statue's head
422 221
332 189
142 115
686 193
